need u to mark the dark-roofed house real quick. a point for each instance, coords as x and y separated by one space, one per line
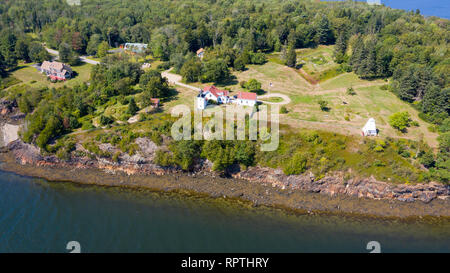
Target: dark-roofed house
56 70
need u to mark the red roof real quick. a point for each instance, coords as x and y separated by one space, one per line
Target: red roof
154 101
246 96
216 92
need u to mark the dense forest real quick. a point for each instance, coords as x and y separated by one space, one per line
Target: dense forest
372 41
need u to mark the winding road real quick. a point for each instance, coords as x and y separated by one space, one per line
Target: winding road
176 79
82 58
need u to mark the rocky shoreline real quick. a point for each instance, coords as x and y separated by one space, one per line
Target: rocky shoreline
257 184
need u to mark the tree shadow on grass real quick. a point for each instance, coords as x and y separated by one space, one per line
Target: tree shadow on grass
232 80
260 92
173 95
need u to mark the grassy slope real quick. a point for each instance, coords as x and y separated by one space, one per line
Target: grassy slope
370 101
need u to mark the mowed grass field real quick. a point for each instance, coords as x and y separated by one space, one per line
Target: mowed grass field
347 114
29 75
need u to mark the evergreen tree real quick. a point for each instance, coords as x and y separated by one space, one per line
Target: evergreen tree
436 100
132 107
340 48
2 66
7 48
22 50
368 68
291 56
65 53
324 35
357 54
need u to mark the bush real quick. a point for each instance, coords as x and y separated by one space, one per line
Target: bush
323 105
351 91
427 160
105 120
297 165
400 121
378 163
87 125
252 85
283 110
258 58
163 158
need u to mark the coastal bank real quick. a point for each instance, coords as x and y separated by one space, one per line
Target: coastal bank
259 186
335 193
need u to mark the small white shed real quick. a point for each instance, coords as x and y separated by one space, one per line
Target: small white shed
370 129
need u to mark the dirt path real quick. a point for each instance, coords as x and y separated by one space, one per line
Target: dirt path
176 79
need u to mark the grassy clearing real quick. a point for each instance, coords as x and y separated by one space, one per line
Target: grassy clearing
347 80
32 77
317 63
347 114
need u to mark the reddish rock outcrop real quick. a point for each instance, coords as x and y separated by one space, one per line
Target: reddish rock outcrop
331 185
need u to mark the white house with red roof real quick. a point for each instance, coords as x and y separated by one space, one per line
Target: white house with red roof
245 98
217 95
212 93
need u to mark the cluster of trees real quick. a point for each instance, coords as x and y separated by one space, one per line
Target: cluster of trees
51 112
221 153
55 112
216 64
18 46
373 41
153 86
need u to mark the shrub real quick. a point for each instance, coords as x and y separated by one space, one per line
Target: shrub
296 165
427 160
323 105
105 120
283 110
115 157
351 91
163 158
400 120
252 85
378 163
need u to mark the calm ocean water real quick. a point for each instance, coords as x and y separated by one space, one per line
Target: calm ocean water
38 216
440 8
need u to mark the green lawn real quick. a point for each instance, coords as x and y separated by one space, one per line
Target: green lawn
31 76
273 99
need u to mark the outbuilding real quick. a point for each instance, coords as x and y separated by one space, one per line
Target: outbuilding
370 129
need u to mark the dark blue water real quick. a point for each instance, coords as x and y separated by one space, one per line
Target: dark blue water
440 8
38 216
